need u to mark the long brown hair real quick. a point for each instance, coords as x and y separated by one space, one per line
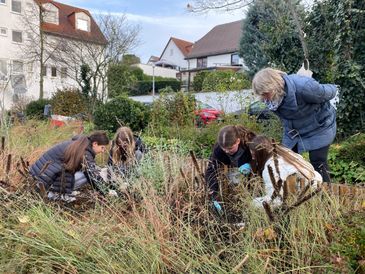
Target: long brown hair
74 153
123 146
262 149
228 135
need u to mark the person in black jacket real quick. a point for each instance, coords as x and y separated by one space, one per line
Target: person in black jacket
126 151
230 150
71 164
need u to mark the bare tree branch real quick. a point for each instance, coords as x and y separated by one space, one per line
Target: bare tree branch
201 6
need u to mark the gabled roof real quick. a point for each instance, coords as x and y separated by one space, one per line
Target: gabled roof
221 39
184 46
153 59
66 28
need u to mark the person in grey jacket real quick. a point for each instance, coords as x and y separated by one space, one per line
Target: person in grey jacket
303 105
71 164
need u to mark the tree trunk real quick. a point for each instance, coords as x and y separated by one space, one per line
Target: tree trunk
41 92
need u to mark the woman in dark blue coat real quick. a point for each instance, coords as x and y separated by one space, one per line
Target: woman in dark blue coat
68 165
303 105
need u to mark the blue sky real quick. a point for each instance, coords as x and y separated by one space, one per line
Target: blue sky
159 20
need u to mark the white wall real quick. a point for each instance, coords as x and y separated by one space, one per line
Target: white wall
173 54
10 51
159 71
229 101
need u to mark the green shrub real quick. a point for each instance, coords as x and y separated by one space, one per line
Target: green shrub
200 140
223 80
347 160
199 79
145 87
35 108
68 102
121 111
122 78
172 109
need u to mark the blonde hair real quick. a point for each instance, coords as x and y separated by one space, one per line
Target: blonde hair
123 146
269 80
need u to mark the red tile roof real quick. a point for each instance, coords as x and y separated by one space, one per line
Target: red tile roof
66 27
184 46
221 39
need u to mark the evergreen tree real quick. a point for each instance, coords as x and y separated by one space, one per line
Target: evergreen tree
270 37
350 64
321 33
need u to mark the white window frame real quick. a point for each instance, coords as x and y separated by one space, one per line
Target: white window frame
63 73
83 21
17 12
30 67
51 17
6 72
6 31
17 71
12 36
202 62
3 3
238 60
54 71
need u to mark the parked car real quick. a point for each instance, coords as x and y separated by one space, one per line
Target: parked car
257 109
206 114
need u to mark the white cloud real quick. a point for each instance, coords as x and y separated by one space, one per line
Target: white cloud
157 30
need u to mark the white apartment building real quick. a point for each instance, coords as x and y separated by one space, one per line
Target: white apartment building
69 34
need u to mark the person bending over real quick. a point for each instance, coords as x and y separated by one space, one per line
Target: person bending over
230 150
71 164
126 151
303 105
288 162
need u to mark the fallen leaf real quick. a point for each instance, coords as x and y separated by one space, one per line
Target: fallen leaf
23 219
270 233
329 227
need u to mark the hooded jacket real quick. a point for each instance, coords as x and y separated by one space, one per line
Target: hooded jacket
308 118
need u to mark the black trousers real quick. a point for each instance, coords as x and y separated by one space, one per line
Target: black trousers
318 159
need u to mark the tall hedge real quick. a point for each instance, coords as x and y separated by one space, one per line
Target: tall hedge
336 42
145 87
225 80
199 79
122 78
121 111
270 36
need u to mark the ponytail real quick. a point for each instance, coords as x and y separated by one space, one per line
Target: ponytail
74 153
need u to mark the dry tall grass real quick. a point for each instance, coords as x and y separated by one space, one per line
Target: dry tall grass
162 224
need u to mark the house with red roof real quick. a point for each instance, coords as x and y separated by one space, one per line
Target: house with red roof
175 53
217 50
62 25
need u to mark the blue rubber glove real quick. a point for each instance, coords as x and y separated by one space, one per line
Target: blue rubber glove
245 169
218 207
